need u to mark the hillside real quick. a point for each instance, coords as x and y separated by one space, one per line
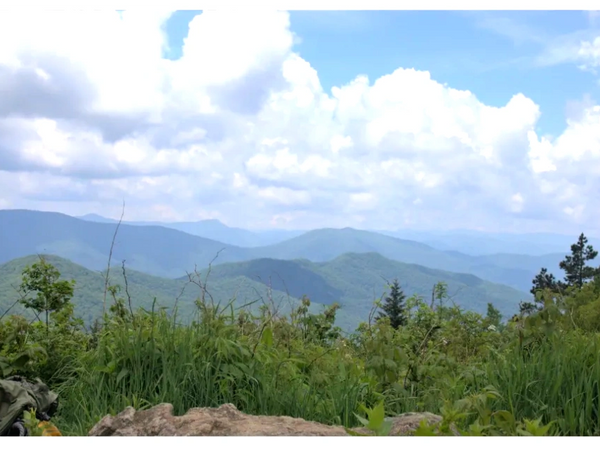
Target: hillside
151 249
524 262
355 280
212 229
477 243
326 244
89 288
352 280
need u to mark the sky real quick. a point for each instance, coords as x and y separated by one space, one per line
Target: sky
434 120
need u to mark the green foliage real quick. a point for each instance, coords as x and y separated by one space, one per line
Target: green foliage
535 375
574 265
51 294
351 280
440 293
375 421
31 423
42 349
543 281
474 416
394 306
142 288
493 316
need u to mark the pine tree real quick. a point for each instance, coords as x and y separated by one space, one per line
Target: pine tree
574 265
545 280
394 306
528 308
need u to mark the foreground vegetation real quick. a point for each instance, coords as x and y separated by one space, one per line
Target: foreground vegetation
535 374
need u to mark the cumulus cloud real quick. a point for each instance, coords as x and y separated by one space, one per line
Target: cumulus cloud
240 129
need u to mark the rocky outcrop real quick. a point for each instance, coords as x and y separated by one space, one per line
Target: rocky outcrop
226 420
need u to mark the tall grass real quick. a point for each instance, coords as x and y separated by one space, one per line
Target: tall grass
203 364
277 366
557 381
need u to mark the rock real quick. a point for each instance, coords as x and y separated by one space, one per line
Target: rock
226 420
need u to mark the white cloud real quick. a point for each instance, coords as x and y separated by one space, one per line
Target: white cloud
589 54
239 128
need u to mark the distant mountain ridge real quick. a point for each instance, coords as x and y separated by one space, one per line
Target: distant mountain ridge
470 242
355 280
484 243
516 271
156 250
212 229
165 252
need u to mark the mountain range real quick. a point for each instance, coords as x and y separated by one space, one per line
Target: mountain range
212 229
166 252
348 266
470 242
354 281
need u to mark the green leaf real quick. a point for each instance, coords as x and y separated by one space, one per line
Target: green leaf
535 428
363 421
506 421
376 417
267 337
21 361
425 430
5 368
122 374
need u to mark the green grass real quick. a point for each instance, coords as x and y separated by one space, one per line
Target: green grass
204 364
557 382
490 380
212 361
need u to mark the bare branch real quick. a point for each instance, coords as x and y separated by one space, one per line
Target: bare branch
112 244
127 289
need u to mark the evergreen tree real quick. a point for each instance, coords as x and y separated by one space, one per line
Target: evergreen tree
493 315
528 308
544 280
574 265
394 306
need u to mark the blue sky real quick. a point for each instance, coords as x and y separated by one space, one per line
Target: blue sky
264 119
492 54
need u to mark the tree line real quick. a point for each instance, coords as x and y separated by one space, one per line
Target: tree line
577 274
